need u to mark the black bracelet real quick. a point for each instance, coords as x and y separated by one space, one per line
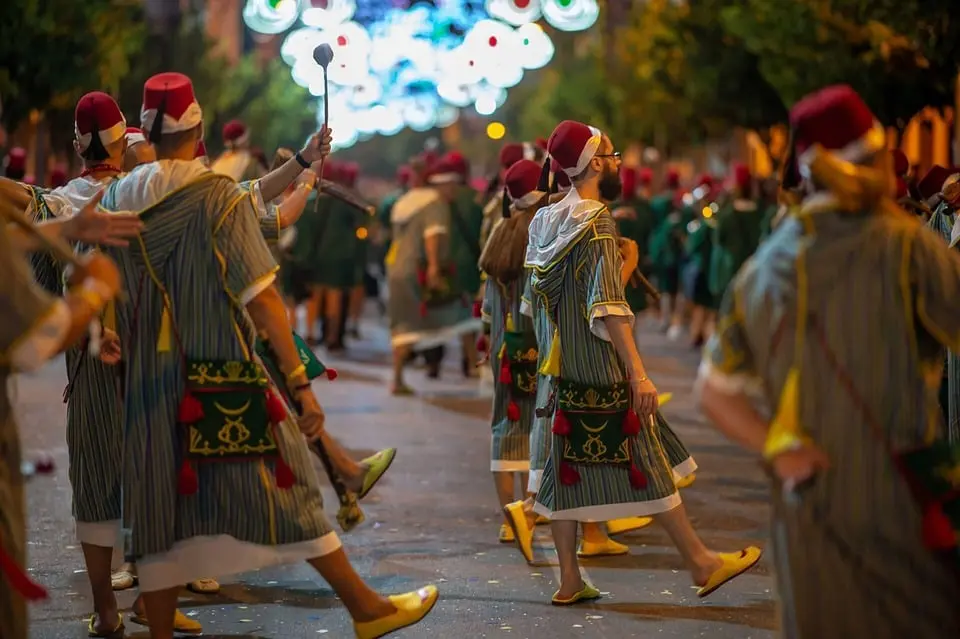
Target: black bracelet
301 161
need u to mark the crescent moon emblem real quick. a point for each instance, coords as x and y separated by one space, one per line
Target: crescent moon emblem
594 430
233 413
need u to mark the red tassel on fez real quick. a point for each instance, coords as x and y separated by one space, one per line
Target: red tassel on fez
505 376
938 532
187 482
331 374
478 309
283 474
568 474
631 423
561 425
637 478
513 411
276 410
423 309
190 410
19 579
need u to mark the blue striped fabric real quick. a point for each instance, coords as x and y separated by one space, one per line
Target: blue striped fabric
206 246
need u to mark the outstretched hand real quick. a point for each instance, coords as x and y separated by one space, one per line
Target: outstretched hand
318 146
93 226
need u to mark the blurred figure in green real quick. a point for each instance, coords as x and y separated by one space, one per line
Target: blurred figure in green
636 221
666 246
739 225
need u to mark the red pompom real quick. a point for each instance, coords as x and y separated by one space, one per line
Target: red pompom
938 532
283 474
187 482
631 423
331 374
483 344
561 425
637 479
568 474
44 465
423 309
191 410
505 376
276 410
513 411
19 579
478 309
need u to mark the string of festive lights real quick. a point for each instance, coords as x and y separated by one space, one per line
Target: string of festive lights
414 63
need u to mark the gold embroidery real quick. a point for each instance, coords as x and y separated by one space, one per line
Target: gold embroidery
231 372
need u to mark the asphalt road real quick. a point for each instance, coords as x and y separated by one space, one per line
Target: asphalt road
434 519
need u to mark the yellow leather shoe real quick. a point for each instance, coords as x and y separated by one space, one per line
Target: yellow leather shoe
377 465
734 565
182 624
411 607
506 534
522 531
589 593
627 524
609 548
687 481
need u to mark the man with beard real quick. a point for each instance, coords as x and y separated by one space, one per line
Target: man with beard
601 388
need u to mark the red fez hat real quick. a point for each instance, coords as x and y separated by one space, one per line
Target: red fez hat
134 136
510 154
429 157
333 170
573 145
97 114
836 119
705 180
520 183
452 167
58 176
645 176
235 133
17 159
541 142
902 189
628 182
673 178
404 173
169 105
201 150
901 165
933 181
741 176
351 171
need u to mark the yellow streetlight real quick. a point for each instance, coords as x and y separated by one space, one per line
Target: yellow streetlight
496 130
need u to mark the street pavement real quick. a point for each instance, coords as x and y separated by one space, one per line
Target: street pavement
434 519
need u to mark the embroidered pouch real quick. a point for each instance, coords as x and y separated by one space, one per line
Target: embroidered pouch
520 351
594 422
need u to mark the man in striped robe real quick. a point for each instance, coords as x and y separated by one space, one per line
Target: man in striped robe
850 538
184 516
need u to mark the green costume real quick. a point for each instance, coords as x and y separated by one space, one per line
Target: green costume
739 225
666 242
697 269
467 218
298 271
337 246
639 229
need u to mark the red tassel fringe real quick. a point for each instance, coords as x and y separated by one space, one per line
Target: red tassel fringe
19 580
187 482
505 376
513 411
561 425
478 309
276 410
938 532
283 474
568 475
631 423
637 479
483 344
331 374
190 410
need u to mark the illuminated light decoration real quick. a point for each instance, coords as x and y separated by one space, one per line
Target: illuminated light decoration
271 17
366 93
457 95
570 15
536 46
494 48
327 14
299 44
515 12
485 105
447 115
496 130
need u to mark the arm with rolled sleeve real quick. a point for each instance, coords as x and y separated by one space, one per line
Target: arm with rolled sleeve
601 265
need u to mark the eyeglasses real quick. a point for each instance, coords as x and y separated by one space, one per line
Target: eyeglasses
616 155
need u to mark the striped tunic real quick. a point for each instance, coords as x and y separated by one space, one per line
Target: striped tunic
540 429
881 292
575 290
510 444
204 245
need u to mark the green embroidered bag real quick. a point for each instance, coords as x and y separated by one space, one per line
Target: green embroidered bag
520 355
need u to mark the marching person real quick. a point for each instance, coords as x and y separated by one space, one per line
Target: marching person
237 160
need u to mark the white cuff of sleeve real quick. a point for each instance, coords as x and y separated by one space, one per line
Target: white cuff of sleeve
287 237
247 295
436 229
258 202
617 309
526 308
727 383
43 341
